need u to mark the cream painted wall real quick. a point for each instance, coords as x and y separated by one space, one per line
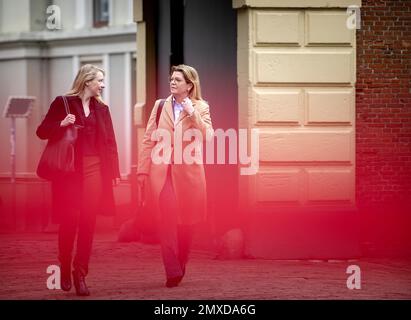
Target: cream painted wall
22 15
120 107
19 21
38 15
122 12
69 14
60 77
296 77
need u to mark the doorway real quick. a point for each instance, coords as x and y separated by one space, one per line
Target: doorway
203 34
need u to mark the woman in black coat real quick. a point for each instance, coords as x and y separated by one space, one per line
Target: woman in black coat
78 198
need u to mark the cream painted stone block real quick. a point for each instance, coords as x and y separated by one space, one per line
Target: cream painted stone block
329 105
303 66
277 27
305 146
295 3
244 30
138 10
14 16
278 185
243 56
330 184
328 27
279 105
139 114
296 72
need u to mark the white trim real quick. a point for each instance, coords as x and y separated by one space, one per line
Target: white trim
106 67
21 53
130 18
90 14
69 34
92 59
81 14
76 65
102 48
127 111
111 21
67 51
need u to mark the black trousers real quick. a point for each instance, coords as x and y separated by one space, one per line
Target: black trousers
175 238
81 221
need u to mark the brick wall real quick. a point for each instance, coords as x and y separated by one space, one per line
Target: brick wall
383 102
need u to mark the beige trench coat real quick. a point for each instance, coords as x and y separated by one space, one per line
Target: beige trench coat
188 178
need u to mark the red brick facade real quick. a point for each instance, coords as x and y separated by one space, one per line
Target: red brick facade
383 104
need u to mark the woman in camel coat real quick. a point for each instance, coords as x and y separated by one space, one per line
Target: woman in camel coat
172 167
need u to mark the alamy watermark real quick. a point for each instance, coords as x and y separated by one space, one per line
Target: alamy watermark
53 17
354 280
53 281
354 17
241 148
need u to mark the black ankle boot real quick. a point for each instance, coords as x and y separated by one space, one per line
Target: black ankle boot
80 284
65 278
173 282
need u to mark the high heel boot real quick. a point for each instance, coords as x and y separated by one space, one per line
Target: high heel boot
65 277
80 284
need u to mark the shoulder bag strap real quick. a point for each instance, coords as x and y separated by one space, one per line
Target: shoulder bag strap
159 110
66 105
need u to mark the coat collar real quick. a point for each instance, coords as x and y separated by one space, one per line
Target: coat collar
168 107
76 106
94 103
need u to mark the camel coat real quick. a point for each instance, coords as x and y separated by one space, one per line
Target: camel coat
188 179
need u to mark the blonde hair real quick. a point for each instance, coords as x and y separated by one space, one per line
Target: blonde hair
190 76
87 73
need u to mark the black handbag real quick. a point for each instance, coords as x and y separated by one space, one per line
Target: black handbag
57 159
144 226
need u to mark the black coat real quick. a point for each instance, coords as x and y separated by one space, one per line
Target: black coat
64 191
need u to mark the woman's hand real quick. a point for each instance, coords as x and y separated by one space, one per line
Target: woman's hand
188 105
116 181
69 119
141 180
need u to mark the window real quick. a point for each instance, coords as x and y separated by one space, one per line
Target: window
94 60
100 13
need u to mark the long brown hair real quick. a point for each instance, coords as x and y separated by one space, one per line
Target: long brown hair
87 73
190 76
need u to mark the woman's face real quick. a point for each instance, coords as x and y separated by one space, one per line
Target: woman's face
178 85
96 86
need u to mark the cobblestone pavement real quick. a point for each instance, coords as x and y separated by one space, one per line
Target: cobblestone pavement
134 271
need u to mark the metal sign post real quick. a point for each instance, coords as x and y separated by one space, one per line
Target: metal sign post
16 107
13 149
